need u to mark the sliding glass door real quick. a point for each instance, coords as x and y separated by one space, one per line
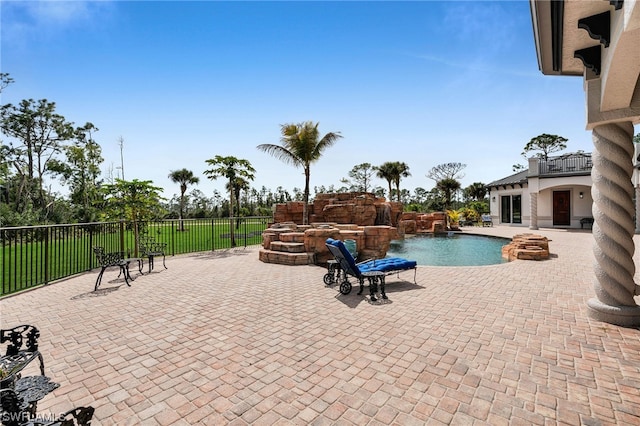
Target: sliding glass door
511 209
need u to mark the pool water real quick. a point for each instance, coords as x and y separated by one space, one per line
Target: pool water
450 250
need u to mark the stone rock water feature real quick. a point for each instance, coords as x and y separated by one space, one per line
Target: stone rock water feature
291 244
371 221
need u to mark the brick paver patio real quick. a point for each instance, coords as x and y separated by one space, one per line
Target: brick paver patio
221 338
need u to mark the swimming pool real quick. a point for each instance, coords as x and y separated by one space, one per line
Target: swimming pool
453 250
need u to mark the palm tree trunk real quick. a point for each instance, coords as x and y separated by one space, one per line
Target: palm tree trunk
238 209
180 213
305 208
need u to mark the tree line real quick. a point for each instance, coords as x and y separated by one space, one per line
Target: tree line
42 143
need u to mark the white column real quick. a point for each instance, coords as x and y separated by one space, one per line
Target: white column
637 209
533 207
613 228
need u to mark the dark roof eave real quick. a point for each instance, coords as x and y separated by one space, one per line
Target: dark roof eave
519 178
557 15
548 25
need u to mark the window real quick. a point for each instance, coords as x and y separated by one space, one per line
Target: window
511 208
505 211
516 203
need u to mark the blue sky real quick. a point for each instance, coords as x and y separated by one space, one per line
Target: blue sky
425 83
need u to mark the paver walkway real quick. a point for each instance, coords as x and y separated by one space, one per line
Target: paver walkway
221 338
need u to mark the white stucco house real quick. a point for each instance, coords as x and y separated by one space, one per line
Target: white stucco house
552 193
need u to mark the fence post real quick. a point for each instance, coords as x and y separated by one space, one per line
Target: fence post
90 265
122 235
173 237
213 234
54 255
46 255
244 222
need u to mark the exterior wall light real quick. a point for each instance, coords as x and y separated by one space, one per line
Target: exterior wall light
493 199
581 195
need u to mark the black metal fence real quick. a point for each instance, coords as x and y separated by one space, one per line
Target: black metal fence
37 255
573 164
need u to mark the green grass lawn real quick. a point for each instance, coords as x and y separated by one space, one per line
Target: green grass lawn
33 256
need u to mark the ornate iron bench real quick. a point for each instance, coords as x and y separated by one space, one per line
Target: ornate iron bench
150 248
19 395
13 413
22 348
115 259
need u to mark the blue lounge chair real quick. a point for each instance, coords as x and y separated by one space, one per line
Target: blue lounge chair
374 270
487 220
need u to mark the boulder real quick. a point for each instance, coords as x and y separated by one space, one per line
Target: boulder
526 247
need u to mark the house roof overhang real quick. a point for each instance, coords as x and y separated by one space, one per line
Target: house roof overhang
596 39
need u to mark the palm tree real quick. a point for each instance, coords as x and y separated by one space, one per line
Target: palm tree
386 171
448 186
401 170
393 172
184 177
231 168
476 190
301 146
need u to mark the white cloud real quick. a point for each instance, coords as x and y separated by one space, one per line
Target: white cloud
60 13
24 20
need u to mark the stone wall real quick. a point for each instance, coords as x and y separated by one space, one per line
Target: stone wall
415 223
372 242
359 208
361 216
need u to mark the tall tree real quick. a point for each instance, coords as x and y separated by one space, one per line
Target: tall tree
448 187
386 171
239 184
393 172
183 177
135 201
231 168
40 133
420 195
476 191
446 176
81 170
401 171
446 171
301 146
545 143
5 80
360 177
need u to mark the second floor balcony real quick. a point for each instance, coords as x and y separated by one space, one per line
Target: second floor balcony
567 164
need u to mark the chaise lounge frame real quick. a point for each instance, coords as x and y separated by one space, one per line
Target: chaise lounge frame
373 270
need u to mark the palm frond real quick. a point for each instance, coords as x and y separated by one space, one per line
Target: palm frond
327 141
281 153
